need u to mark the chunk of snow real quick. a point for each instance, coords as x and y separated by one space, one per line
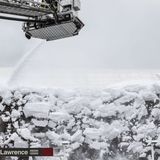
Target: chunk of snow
5 118
77 137
99 145
19 143
2 107
59 116
15 114
40 123
26 134
92 133
37 109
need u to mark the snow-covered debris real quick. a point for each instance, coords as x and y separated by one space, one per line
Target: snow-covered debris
5 118
77 137
92 133
76 106
26 134
59 116
19 143
37 109
54 138
2 108
110 124
15 114
40 123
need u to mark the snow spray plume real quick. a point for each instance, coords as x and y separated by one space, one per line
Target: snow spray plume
22 61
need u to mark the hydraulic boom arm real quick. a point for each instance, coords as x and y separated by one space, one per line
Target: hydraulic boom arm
44 19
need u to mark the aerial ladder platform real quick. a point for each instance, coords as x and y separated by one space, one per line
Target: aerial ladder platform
44 19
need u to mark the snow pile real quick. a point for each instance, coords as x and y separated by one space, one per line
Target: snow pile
109 124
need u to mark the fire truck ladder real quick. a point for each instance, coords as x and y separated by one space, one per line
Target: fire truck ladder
49 19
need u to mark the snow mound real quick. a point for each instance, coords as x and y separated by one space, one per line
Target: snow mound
109 124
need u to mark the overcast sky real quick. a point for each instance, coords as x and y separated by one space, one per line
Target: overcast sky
117 34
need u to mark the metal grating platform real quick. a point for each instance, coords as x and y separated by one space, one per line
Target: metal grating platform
22 9
55 32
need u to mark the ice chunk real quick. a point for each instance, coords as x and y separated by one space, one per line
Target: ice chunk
77 105
2 107
59 116
40 123
99 145
53 135
77 137
15 114
26 134
19 143
92 133
37 109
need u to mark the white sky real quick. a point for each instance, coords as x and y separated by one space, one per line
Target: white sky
117 34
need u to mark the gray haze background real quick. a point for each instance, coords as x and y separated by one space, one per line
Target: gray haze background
118 34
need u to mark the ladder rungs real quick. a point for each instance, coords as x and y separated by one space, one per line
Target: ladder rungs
25 8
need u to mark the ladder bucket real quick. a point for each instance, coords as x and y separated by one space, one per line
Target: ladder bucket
57 31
